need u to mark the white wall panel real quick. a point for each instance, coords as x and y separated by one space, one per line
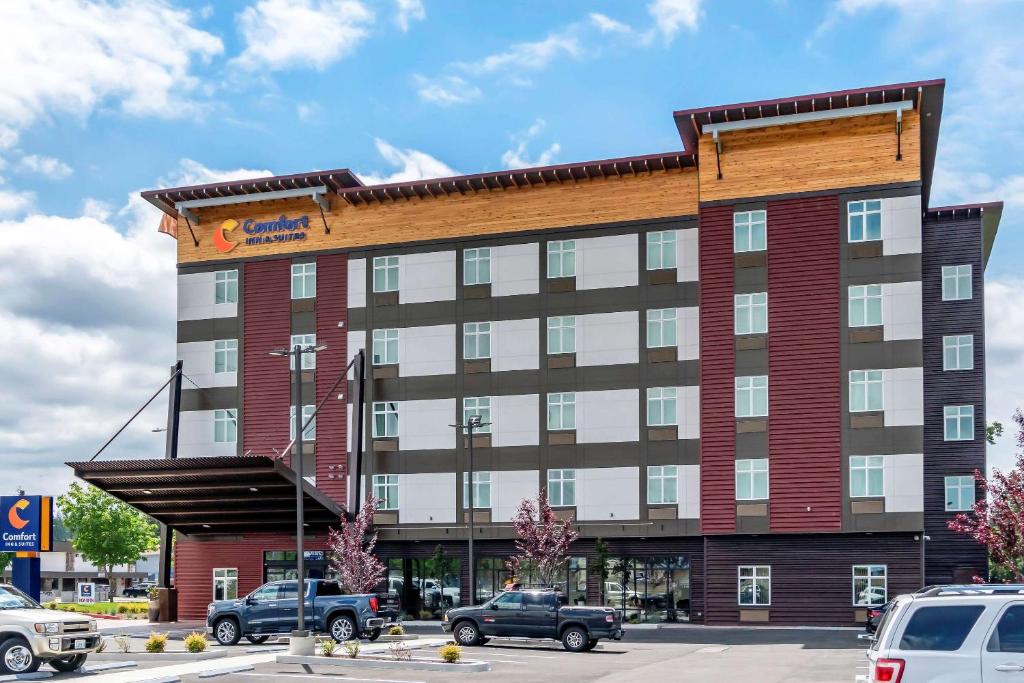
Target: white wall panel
901 225
903 483
423 425
515 345
516 420
608 416
687 268
196 292
356 341
603 262
426 277
357 283
195 436
426 498
688 332
689 491
428 350
608 338
608 494
198 363
689 412
515 269
508 489
903 396
901 310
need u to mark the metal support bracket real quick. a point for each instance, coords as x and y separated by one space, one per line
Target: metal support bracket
718 152
188 215
195 240
324 204
899 134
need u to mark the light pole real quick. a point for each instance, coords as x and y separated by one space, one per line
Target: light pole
472 422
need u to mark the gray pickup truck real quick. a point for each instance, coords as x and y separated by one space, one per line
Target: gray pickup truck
273 608
533 613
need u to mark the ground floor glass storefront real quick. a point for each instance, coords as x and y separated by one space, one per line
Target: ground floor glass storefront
649 589
426 586
492 574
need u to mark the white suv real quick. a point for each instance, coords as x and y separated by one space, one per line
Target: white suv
951 634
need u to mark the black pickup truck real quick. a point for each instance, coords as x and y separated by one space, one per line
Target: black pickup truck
533 613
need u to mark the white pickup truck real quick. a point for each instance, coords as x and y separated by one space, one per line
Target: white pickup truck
31 635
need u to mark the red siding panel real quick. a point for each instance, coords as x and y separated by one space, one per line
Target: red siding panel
331 329
803 356
717 421
266 325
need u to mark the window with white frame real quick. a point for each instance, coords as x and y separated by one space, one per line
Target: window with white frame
225 287
754 587
476 341
752 313
385 274
481 406
562 487
385 420
865 305
958 352
561 411
752 396
308 358
662 484
958 423
303 280
225 583
476 266
661 328
956 282
225 356
662 406
481 490
661 250
960 493
225 426
385 347
309 433
749 232
867 476
752 479
562 334
562 258
865 219
385 487
869 585
865 390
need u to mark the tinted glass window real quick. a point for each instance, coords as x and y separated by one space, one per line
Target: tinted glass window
509 601
328 588
289 589
268 592
539 601
940 628
1009 635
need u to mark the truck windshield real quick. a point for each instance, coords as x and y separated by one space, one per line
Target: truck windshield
12 598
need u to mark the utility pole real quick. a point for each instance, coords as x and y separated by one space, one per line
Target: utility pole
473 422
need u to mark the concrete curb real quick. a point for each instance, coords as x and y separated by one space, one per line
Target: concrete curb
396 639
34 676
161 656
226 670
106 666
403 665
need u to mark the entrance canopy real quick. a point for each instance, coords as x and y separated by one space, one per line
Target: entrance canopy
222 495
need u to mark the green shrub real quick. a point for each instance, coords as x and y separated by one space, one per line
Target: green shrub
396 630
195 642
351 648
328 646
450 653
123 609
156 642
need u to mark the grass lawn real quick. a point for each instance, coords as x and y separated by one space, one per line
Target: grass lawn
128 610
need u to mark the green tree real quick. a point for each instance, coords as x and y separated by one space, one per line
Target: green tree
993 432
5 561
106 531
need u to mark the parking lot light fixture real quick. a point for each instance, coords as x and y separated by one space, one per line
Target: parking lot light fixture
473 422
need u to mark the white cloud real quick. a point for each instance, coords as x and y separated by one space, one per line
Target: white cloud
1004 356
518 157
606 24
49 167
283 34
446 90
411 164
13 203
308 112
671 15
409 11
530 55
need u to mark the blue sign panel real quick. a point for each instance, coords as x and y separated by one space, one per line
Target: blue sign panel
26 523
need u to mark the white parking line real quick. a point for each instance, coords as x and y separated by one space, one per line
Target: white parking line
322 677
502 653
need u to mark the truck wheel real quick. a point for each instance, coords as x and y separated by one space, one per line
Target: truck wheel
226 631
591 644
574 639
68 663
16 657
374 634
466 633
342 628
257 640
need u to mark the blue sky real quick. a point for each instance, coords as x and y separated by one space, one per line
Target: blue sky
100 100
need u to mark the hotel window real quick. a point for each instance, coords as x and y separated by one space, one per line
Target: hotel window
225 426
752 313
308 359
385 274
562 258
662 484
385 347
661 250
865 390
562 334
476 266
303 280
481 406
958 352
481 490
662 410
867 476
755 586
752 396
225 288
385 420
958 423
661 327
561 411
225 356
752 479
562 487
476 341
225 584
869 585
865 304
385 487
749 231
309 433
960 493
865 220
956 282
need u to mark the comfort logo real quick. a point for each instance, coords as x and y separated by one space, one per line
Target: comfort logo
220 242
14 518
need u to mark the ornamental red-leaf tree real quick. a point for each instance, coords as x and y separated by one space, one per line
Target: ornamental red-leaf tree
351 551
997 519
542 539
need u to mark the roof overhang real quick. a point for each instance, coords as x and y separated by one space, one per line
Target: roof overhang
218 495
990 214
